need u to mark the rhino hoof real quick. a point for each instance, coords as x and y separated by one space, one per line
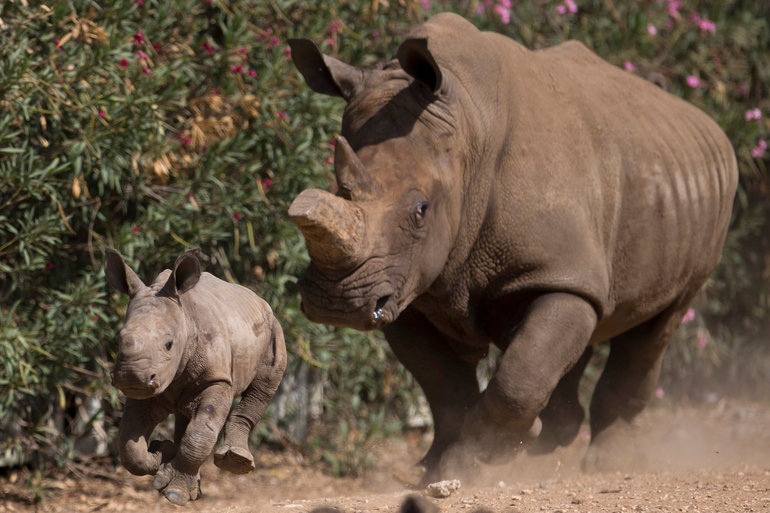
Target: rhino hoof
176 497
234 459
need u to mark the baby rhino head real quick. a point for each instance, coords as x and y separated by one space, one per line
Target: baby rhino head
152 343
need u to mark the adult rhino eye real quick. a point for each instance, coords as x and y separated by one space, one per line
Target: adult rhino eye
419 212
169 345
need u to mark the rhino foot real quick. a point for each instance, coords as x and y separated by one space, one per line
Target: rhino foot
615 449
178 487
237 460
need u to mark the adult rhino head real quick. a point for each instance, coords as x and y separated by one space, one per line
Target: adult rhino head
383 233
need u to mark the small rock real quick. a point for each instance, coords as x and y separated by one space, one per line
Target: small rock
442 489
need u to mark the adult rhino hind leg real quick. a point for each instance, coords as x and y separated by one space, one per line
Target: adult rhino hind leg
233 454
448 381
563 415
624 388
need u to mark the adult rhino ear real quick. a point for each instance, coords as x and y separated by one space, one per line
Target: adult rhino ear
416 59
324 74
185 275
119 275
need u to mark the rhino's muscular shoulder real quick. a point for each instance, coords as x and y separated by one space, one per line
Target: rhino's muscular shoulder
233 328
584 178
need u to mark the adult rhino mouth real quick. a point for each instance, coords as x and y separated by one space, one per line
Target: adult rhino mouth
332 302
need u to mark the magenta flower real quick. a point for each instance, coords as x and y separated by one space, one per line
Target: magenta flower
146 70
651 30
759 150
123 63
135 229
102 114
243 51
252 73
673 8
707 25
330 160
236 69
693 81
287 51
689 316
335 26
207 46
281 114
266 183
753 114
629 66
237 216
139 39
504 13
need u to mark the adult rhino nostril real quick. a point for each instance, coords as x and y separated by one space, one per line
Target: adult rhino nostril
379 306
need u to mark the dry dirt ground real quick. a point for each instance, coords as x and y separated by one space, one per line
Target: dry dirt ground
712 458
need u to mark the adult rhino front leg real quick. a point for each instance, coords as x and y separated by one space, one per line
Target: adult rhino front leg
179 479
540 350
448 381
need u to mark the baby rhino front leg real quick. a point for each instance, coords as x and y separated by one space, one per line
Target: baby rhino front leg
179 478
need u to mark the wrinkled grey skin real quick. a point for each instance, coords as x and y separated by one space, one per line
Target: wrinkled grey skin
190 345
542 201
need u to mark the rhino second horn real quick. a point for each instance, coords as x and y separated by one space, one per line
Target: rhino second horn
333 227
352 178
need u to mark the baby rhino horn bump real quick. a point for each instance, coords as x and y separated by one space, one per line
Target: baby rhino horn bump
332 226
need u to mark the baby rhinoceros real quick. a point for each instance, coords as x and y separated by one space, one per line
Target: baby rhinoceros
190 345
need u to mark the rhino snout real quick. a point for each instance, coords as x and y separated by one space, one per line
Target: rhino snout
135 384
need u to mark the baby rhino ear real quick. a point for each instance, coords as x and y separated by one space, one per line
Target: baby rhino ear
186 273
119 275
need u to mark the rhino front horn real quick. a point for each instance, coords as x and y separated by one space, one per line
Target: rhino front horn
332 226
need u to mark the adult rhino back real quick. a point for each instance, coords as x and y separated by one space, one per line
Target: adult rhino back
542 201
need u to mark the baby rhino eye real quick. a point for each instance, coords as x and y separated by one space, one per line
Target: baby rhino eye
169 345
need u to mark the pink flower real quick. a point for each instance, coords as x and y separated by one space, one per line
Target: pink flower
123 63
281 114
707 25
693 81
629 66
139 39
335 26
701 341
207 46
759 150
505 3
252 73
504 13
139 3
689 316
561 9
135 229
330 42
237 216
142 56
659 393
333 143
236 69
330 160
751 114
425 4
571 6
651 30
243 51
287 51
146 70
266 183
102 114
673 8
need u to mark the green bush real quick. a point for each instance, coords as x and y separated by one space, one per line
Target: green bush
153 126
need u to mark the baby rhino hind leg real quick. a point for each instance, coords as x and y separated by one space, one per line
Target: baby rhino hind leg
234 454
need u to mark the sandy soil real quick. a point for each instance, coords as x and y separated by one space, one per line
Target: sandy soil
712 458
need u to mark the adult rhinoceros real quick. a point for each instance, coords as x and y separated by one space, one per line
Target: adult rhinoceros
542 201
